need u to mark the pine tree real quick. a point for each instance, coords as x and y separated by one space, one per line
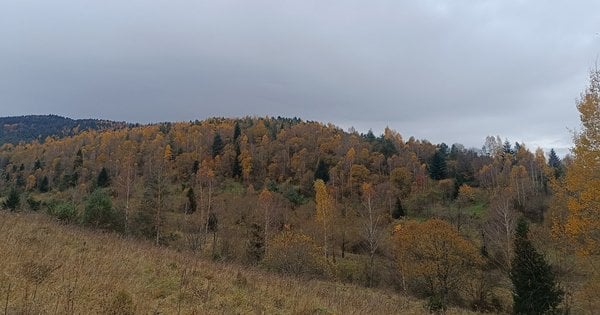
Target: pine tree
103 178
534 288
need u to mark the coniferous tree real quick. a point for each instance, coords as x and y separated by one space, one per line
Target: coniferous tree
398 211
13 200
191 206
237 132
555 163
103 178
217 146
78 160
44 186
236 168
437 166
534 288
322 171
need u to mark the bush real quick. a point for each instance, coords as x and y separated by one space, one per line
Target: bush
64 211
295 253
99 211
33 204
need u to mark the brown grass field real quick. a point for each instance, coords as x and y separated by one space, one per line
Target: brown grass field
50 268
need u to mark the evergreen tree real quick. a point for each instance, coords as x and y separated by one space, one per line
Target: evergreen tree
99 211
191 206
555 163
322 171
236 168
103 178
37 165
78 160
44 186
217 146
195 167
534 288
13 200
437 166
398 211
237 132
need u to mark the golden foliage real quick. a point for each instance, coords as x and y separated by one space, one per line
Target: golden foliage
432 252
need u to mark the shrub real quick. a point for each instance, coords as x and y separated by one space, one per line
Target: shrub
295 253
99 211
64 211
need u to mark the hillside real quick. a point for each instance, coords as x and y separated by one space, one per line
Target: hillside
38 127
50 268
305 199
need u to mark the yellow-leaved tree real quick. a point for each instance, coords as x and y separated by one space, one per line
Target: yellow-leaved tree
576 203
580 192
324 205
433 256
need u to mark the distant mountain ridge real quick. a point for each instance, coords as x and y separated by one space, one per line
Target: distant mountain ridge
27 128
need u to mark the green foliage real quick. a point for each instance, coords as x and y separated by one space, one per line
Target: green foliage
33 204
322 171
217 145
437 165
292 193
236 168
398 211
191 204
13 200
44 186
99 211
535 290
555 163
64 211
32 127
103 178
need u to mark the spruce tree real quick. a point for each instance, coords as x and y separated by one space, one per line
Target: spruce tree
191 206
437 166
217 146
44 185
555 163
322 171
398 211
103 178
534 288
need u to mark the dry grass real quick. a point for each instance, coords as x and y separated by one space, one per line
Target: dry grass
49 268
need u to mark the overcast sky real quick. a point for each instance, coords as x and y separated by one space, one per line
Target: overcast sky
452 71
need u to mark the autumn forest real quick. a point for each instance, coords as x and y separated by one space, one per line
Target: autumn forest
504 228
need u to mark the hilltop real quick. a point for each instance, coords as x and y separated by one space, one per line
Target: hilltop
37 127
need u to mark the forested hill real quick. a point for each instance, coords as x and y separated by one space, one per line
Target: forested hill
31 127
301 198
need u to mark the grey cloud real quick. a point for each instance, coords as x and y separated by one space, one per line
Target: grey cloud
452 71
